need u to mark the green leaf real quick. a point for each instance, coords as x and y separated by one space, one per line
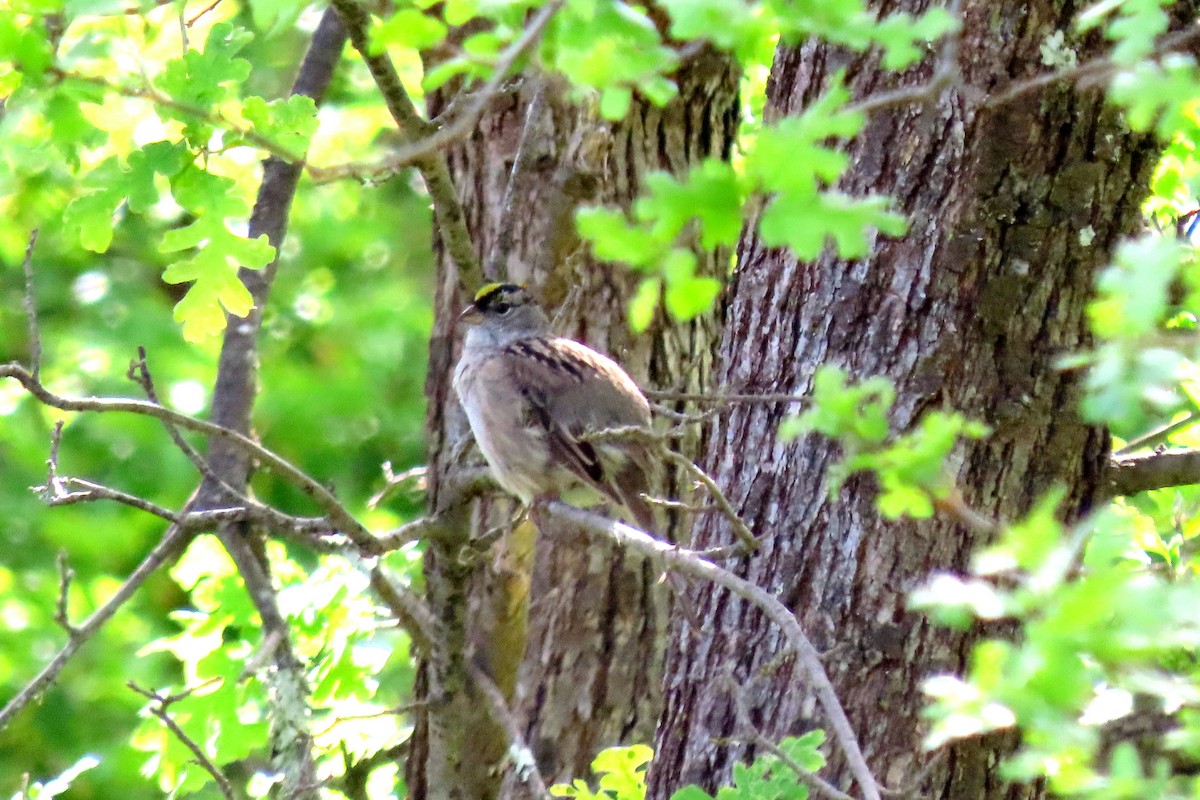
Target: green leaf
614 239
622 771
691 793
614 102
643 304
407 28
289 123
710 193
92 214
205 79
689 298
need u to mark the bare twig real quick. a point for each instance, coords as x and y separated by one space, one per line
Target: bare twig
496 266
168 546
1095 69
409 532
688 563
410 610
35 337
656 439
200 14
323 497
65 576
159 709
416 476
740 529
1158 435
139 373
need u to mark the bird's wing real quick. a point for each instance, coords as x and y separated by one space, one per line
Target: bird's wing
571 390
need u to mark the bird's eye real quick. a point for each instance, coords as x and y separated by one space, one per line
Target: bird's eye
502 308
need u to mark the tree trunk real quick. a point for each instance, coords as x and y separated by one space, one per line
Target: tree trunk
1014 206
571 631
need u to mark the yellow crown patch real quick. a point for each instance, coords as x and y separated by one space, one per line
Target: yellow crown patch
498 288
486 289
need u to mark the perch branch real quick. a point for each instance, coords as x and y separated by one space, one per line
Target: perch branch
1130 474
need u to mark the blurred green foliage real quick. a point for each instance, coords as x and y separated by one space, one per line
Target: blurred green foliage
135 152
342 371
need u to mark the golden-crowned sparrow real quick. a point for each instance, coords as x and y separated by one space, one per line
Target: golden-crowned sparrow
533 399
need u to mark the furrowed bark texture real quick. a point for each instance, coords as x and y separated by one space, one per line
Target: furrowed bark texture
595 618
1013 210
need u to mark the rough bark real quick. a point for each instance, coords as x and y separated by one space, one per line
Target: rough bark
968 311
588 677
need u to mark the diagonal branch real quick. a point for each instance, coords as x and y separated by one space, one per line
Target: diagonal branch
35 337
168 547
448 131
694 566
159 710
451 222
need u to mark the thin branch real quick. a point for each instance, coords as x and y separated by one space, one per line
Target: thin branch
35 338
65 576
168 546
200 14
720 399
496 266
1095 69
746 536
817 784
325 499
655 439
451 222
1158 435
414 531
139 373
412 612
522 758
441 133
152 95
159 709
1131 474
690 564
418 476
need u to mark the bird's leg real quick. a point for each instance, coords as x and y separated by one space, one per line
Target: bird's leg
537 508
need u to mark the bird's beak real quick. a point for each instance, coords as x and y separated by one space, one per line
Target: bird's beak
470 315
